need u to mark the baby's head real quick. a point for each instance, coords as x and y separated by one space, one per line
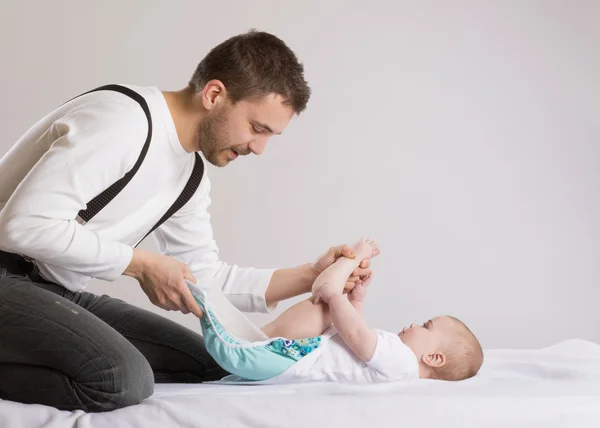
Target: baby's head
445 347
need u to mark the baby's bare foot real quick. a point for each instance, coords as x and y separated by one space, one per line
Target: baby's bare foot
366 248
331 281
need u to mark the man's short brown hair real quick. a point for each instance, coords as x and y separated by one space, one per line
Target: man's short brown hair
252 65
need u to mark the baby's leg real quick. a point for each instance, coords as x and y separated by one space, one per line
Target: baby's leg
303 320
332 280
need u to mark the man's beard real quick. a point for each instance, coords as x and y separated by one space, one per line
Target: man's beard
214 138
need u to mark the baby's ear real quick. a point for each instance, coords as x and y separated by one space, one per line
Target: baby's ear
434 359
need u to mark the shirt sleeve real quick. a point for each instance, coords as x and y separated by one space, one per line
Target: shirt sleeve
188 237
392 359
87 150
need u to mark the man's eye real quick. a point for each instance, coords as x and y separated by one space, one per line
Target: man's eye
255 129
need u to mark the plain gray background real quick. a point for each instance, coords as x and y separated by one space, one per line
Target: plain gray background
463 136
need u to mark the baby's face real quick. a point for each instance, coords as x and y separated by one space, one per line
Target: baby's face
427 337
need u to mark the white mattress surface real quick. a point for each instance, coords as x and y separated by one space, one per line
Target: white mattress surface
557 386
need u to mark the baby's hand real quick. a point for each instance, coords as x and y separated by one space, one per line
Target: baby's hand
359 292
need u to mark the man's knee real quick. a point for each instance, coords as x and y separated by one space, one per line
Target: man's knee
134 380
127 379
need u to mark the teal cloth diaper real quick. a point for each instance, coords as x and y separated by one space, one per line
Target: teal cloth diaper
252 359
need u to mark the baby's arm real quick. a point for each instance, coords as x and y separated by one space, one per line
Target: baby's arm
347 319
353 329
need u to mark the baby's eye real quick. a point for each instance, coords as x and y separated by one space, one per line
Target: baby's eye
425 324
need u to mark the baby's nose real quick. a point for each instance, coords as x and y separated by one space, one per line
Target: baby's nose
413 325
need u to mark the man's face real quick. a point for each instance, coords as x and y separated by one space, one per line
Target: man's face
233 130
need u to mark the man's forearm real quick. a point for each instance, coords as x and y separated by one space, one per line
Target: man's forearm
290 282
353 329
137 264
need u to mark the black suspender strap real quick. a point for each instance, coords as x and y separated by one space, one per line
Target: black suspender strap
188 192
94 206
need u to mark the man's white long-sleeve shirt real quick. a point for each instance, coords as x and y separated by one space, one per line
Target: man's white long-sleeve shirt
82 148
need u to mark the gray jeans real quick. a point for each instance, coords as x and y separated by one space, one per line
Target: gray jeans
83 351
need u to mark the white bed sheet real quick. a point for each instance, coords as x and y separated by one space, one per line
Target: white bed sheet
558 386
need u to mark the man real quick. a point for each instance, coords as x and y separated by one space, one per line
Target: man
63 347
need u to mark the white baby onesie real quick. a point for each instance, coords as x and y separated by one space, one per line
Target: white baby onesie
333 361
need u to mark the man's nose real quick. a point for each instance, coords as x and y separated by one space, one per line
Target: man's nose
258 146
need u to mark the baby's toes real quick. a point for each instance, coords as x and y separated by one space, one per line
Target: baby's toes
376 251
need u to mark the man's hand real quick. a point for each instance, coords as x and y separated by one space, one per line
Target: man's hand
163 280
327 259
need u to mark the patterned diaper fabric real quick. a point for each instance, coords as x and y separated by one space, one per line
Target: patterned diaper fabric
295 349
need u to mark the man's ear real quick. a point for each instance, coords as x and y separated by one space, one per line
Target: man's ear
434 359
213 93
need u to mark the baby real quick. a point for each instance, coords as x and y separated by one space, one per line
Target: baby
442 348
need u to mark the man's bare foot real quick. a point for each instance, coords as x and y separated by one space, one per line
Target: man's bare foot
332 280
